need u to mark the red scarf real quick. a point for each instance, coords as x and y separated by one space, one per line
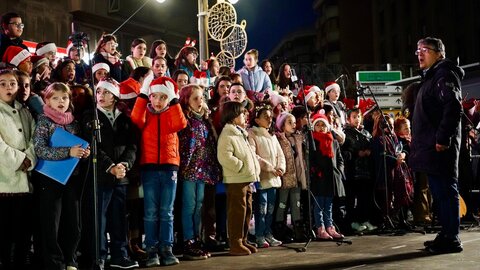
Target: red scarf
58 117
325 142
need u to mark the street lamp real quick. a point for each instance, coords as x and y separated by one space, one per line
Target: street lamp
233 1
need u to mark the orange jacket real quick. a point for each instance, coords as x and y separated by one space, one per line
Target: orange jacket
159 144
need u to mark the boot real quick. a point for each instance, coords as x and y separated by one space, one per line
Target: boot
167 257
334 234
322 234
238 249
252 248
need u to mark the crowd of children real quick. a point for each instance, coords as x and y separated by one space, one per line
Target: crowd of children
236 148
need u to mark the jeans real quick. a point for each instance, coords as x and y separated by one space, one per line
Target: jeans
445 197
159 194
291 195
264 211
112 212
192 200
322 211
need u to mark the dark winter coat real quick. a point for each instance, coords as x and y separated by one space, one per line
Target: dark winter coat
326 174
436 120
117 144
357 168
5 42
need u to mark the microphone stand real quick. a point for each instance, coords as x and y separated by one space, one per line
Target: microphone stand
361 91
309 142
78 38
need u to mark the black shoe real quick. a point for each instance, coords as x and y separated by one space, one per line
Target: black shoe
123 263
192 252
442 245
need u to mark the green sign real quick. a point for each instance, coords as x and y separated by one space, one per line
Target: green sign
378 76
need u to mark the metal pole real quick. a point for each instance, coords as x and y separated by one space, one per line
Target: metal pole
202 29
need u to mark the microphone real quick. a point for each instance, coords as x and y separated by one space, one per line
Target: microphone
341 77
293 75
360 91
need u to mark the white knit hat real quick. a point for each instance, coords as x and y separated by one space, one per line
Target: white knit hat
110 85
98 66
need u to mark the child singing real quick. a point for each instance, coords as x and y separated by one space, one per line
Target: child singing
59 204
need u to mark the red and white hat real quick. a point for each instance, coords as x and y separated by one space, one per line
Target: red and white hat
276 99
15 55
39 61
43 49
312 90
110 85
331 85
320 117
164 85
129 89
98 66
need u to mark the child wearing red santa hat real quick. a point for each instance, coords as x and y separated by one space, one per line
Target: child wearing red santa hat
17 57
326 177
159 116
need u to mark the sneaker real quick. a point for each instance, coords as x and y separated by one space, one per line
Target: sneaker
261 243
369 226
152 260
334 234
192 252
167 257
357 227
252 243
272 241
322 234
123 263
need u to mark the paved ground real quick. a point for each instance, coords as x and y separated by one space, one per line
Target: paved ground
366 252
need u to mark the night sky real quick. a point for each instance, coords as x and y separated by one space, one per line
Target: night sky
270 21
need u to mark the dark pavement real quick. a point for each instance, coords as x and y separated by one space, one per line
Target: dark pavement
366 252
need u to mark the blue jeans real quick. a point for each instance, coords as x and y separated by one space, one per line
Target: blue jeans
159 194
445 197
112 212
192 200
322 211
264 211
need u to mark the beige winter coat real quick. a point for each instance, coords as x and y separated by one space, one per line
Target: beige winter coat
16 143
295 174
237 158
269 154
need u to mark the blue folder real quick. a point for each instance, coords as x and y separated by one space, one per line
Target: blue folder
60 170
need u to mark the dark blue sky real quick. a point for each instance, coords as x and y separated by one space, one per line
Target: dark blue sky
269 21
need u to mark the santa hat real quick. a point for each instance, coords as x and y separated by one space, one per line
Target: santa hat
38 61
276 99
331 85
71 45
15 55
43 49
166 86
281 120
200 78
98 66
110 85
320 117
312 90
129 89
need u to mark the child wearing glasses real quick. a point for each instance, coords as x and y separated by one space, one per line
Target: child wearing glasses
106 52
12 27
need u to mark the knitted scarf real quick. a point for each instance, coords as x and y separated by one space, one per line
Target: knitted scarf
325 142
58 117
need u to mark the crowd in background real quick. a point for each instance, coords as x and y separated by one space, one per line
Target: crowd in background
194 157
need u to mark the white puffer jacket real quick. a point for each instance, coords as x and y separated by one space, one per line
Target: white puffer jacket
16 143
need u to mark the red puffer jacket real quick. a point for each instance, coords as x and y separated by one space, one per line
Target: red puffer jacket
159 144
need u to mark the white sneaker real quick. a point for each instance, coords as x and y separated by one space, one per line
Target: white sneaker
369 226
358 227
272 241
